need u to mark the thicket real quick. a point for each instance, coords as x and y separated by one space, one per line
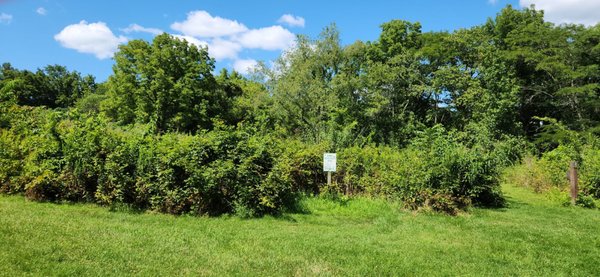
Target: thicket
548 172
429 119
63 155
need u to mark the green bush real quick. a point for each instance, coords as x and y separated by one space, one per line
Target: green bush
436 172
212 173
11 165
556 164
590 171
28 147
82 156
43 160
548 174
75 157
458 174
301 165
531 173
118 178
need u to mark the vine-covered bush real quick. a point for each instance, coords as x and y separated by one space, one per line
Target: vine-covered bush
436 172
68 156
11 166
77 158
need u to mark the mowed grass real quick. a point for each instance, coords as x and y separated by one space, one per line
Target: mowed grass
533 236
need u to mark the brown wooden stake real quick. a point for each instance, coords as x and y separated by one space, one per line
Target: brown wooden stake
329 179
573 180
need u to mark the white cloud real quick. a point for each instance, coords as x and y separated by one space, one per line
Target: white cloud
291 20
219 49
269 38
137 28
202 24
5 18
226 38
93 38
192 40
41 11
244 66
223 49
585 12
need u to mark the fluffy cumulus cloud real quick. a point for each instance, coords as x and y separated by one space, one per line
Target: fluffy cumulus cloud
585 12
202 24
219 49
6 18
269 38
227 38
92 38
135 28
41 11
244 66
224 49
291 20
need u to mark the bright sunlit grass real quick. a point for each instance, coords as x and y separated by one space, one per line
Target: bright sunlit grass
533 236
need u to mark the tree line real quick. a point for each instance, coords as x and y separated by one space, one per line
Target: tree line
431 119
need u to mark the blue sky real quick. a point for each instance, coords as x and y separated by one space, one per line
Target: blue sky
82 35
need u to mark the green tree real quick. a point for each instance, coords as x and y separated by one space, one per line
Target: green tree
167 83
303 101
53 87
555 67
394 92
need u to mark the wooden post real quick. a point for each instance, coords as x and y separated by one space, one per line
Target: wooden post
328 179
573 180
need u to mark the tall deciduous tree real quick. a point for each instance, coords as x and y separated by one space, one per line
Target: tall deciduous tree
168 83
304 103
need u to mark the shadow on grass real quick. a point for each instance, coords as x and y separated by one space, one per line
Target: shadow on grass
512 202
285 217
509 203
125 208
298 207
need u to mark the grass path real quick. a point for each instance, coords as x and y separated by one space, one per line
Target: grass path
533 236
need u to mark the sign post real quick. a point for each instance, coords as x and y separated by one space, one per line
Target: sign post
573 180
329 165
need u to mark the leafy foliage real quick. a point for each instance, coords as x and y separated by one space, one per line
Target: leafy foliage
428 118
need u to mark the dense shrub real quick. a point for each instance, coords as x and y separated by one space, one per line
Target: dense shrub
590 171
437 172
556 164
75 157
82 156
548 173
35 139
531 173
455 175
544 173
301 165
23 128
118 178
11 165
212 173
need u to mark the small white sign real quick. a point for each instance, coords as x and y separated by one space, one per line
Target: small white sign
329 162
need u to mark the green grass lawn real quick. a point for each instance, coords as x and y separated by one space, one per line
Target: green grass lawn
533 236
